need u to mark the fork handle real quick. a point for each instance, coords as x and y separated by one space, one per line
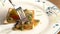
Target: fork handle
11 2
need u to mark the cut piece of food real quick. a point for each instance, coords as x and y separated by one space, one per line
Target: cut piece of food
36 22
27 25
12 16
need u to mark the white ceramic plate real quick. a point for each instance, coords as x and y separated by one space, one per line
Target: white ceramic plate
54 16
39 14
54 25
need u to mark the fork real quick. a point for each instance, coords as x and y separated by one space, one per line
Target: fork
20 12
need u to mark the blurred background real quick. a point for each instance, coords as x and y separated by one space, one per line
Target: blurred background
56 2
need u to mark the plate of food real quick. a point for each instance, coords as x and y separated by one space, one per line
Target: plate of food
22 18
